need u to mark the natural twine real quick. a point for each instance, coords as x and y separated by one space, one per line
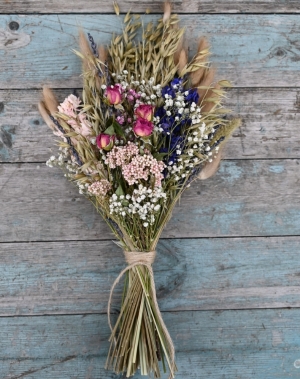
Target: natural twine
139 258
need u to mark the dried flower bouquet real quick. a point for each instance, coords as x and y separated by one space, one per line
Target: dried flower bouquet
148 124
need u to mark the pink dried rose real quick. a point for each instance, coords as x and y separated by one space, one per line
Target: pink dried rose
144 111
105 141
113 95
142 127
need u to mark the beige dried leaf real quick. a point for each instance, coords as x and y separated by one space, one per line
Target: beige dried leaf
206 83
210 168
85 51
46 116
167 11
182 62
212 98
102 52
50 100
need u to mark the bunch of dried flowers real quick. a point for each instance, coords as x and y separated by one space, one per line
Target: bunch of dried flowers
148 124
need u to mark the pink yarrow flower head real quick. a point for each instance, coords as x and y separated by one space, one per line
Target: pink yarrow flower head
100 188
134 165
143 167
105 141
144 111
113 95
143 128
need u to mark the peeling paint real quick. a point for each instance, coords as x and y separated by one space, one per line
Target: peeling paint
276 169
10 40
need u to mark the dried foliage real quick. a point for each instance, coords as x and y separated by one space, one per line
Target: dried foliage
90 130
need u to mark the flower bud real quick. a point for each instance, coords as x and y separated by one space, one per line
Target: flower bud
142 127
113 95
105 141
144 111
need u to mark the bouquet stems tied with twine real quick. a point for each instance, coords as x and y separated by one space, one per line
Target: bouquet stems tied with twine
149 122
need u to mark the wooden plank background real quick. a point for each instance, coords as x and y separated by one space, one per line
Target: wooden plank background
227 271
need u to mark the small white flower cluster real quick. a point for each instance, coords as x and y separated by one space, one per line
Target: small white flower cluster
197 143
71 168
60 160
147 91
143 202
63 161
183 111
83 188
182 167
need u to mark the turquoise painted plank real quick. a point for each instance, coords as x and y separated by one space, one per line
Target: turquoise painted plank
250 50
24 137
75 277
245 198
260 344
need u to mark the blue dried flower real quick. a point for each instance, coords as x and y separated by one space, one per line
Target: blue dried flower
176 83
160 112
192 96
167 90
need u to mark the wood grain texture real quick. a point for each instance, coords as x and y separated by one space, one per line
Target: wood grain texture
252 50
74 277
245 198
183 6
232 242
229 344
270 123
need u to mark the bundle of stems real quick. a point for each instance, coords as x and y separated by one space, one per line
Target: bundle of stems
139 339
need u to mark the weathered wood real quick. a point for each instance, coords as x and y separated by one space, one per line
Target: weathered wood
245 198
260 344
10 40
75 277
184 6
270 125
253 50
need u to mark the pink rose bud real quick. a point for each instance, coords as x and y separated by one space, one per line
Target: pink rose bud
142 127
113 95
144 111
105 141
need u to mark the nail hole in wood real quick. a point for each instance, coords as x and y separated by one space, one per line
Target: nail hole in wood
13 25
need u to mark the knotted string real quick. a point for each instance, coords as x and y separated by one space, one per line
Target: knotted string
139 258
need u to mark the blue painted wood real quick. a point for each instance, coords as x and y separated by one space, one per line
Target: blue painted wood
260 344
245 198
252 50
254 198
74 277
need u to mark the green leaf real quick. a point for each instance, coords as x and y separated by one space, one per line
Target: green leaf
119 106
110 130
109 121
119 191
159 156
118 130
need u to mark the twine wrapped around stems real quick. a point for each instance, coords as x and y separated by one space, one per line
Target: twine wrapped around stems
139 258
